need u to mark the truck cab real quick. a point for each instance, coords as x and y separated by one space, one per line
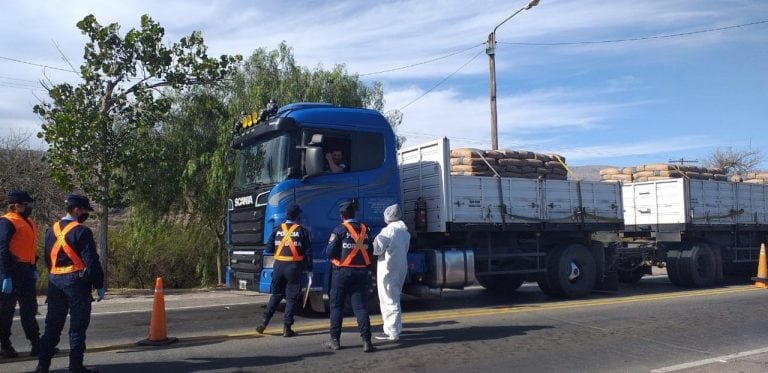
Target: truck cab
280 160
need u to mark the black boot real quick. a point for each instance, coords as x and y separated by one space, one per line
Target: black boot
367 346
42 368
288 332
262 325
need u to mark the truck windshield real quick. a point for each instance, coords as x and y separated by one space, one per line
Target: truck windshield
264 162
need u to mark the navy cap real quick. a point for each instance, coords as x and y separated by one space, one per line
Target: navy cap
18 196
347 208
293 211
76 200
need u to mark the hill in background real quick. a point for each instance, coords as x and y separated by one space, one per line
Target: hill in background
588 172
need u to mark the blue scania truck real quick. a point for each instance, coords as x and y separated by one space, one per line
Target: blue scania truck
496 231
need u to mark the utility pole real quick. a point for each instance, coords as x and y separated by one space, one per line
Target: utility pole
491 52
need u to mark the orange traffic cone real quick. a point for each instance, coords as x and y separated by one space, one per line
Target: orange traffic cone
157 333
761 280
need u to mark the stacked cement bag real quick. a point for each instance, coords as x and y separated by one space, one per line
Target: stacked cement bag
507 163
662 171
616 174
757 178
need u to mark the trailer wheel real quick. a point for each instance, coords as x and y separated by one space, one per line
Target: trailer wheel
571 271
501 283
699 265
673 269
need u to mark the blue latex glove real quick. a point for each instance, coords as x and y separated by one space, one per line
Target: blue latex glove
100 292
7 285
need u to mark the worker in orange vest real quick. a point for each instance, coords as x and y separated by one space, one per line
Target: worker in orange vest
73 263
293 255
18 242
350 251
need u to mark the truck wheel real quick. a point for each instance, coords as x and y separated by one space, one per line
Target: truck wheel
501 283
699 265
571 271
632 276
673 268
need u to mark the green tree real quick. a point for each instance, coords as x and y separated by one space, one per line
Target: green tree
100 131
191 179
274 74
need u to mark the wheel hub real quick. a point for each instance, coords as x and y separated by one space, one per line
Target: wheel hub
573 271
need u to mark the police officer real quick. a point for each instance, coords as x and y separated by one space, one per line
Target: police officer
73 263
350 250
18 242
293 254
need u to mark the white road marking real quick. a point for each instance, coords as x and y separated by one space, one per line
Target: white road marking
719 359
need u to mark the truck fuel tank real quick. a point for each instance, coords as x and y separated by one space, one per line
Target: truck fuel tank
450 268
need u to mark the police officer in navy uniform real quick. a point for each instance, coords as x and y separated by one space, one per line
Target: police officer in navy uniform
73 263
350 251
18 243
293 255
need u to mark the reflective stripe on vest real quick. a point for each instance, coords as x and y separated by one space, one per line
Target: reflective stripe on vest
359 247
23 243
61 243
295 257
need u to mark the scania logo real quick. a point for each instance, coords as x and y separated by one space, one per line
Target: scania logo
243 201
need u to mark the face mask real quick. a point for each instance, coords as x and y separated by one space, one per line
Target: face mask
83 217
26 213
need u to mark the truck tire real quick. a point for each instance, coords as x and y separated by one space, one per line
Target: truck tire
501 283
698 265
571 271
673 269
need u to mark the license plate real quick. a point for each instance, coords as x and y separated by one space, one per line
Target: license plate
241 284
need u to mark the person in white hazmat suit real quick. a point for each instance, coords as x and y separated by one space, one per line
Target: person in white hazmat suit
391 247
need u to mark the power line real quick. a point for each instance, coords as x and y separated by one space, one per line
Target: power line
423 62
639 38
441 81
17 79
37 64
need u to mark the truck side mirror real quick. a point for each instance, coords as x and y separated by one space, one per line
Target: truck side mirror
313 161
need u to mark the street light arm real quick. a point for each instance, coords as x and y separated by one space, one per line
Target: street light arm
508 18
530 5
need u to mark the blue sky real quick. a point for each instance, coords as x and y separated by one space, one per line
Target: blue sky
560 89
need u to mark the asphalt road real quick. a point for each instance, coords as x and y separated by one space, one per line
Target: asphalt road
648 327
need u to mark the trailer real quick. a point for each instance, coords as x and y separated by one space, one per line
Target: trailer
509 229
700 230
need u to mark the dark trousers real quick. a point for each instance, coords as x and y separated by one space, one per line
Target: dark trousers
71 294
286 283
25 294
355 283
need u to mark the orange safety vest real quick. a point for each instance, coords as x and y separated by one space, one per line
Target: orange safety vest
61 243
295 257
24 241
359 248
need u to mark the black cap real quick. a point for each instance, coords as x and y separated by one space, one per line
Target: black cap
347 209
76 200
293 211
18 196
